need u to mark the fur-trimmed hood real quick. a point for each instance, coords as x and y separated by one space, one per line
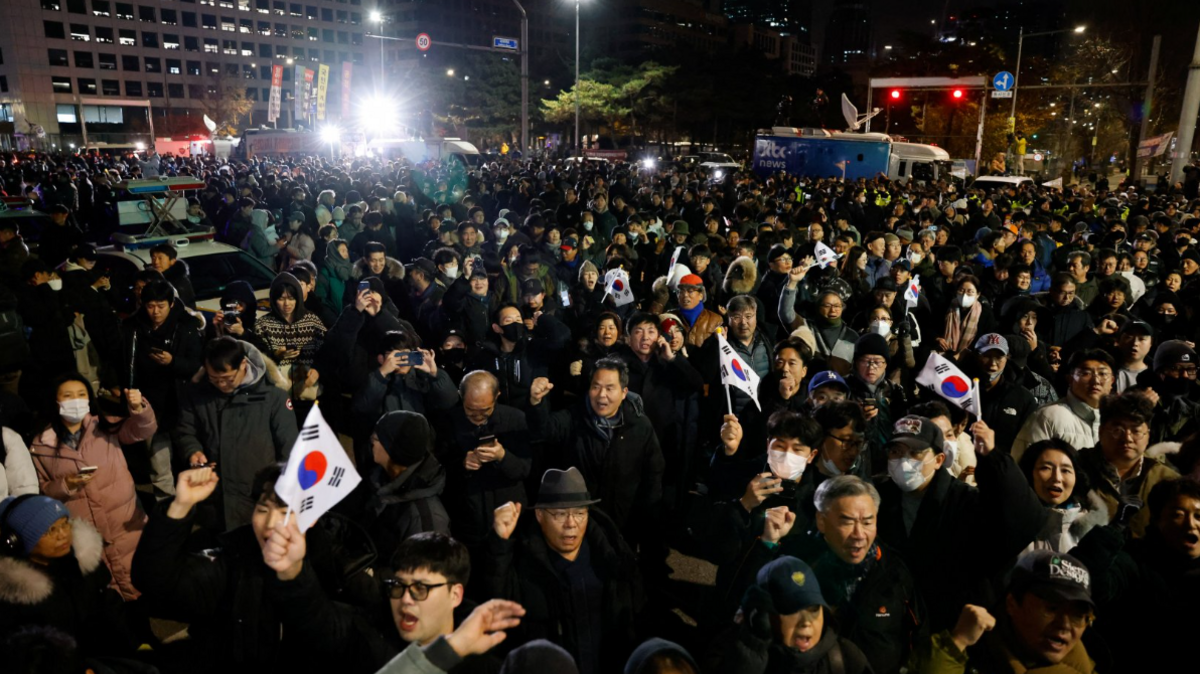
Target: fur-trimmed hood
24 583
1162 450
258 361
741 276
392 270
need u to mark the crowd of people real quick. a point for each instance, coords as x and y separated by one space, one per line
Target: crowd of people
556 479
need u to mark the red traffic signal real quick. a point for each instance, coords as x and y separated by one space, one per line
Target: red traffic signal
957 94
895 94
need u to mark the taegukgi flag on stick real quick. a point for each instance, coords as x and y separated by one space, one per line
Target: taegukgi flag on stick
949 382
912 292
319 473
735 371
616 283
825 255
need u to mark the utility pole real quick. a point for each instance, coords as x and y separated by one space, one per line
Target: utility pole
1138 163
1187 118
524 79
578 144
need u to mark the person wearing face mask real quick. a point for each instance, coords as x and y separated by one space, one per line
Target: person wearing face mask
842 449
968 316
927 515
516 354
81 436
42 308
1173 378
1006 404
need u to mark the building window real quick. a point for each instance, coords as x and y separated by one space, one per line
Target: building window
170 41
77 6
189 19
246 26
229 47
81 32
252 93
130 63
211 46
174 90
231 69
149 40
310 12
209 21
314 35
133 89
247 71
52 5
228 24
65 113
279 8
87 86
326 14
281 30
264 72
54 29
247 49
356 39
193 67
190 43
124 11
127 37
264 51
264 28
104 35
297 9
62 85
110 88
101 8
327 35
213 69
262 6
83 59
298 32
174 66
108 61
342 17
58 57
343 38
170 17
153 64
154 89
147 14
355 18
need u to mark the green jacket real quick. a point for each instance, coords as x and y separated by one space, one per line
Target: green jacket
939 655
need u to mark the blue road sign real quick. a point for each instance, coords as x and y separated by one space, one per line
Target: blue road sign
504 43
1003 81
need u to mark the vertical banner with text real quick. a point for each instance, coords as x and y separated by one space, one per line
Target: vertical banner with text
347 71
308 91
297 95
322 90
276 93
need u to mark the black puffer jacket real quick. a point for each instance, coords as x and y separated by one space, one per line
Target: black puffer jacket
624 468
410 504
180 336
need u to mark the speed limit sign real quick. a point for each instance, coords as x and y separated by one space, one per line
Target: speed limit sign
423 42
1037 156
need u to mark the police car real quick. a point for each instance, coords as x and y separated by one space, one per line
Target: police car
996 184
211 265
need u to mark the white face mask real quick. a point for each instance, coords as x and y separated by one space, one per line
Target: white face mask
831 467
906 473
72 411
588 224
786 465
950 451
914 257
55 283
451 273
633 236
965 301
502 235
882 328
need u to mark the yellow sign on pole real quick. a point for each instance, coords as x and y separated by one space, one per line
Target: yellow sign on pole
1012 124
322 90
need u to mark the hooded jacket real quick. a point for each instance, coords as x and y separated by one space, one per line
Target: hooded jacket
180 336
109 501
407 505
394 285
71 594
242 431
305 332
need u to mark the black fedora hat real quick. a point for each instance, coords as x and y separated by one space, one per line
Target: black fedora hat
564 489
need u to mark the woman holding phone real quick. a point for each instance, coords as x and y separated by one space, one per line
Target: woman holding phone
79 461
293 335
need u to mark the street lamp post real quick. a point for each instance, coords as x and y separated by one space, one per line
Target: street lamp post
1012 116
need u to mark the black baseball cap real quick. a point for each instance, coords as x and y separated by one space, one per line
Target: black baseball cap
1052 575
917 434
1137 327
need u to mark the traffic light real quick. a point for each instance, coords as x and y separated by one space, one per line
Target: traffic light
957 94
895 94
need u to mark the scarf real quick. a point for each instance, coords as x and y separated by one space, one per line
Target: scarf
690 315
959 334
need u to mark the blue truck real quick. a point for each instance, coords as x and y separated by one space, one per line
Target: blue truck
820 153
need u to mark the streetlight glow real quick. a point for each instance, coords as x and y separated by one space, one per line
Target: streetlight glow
377 16
331 134
1080 29
450 72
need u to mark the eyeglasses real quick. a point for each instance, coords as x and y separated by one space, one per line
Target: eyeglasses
1137 432
831 306
874 363
1098 375
852 443
418 591
580 515
1188 371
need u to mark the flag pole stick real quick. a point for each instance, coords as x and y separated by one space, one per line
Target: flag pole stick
978 402
287 517
728 399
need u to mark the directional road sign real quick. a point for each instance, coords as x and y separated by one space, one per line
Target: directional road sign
424 41
1003 81
1001 94
504 43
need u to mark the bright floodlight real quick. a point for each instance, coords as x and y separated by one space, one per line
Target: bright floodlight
139 146
378 116
331 134
376 16
450 72
648 163
1080 29
718 174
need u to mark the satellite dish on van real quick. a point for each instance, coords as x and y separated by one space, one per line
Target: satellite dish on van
854 121
212 126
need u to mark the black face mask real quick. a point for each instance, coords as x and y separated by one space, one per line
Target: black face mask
1176 387
513 332
454 355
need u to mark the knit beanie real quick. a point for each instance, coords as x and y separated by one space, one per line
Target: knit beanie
406 436
30 519
871 345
